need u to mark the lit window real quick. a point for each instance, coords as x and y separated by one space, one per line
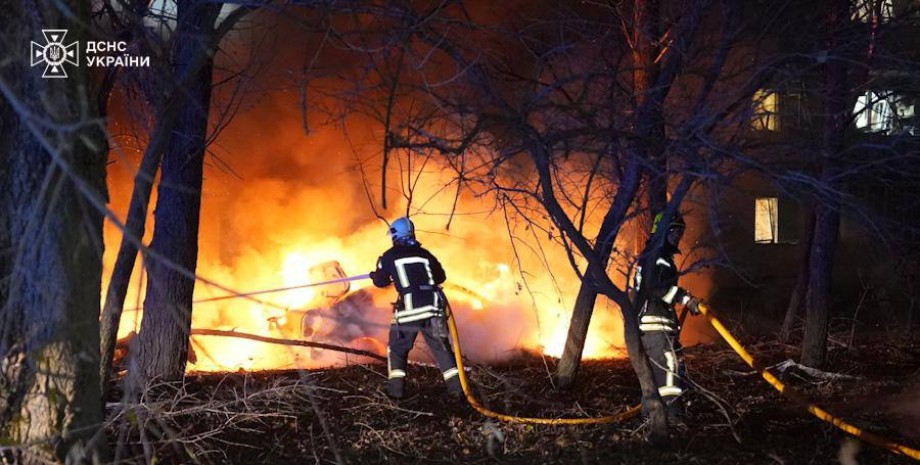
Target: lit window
776 221
873 112
907 121
887 112
865 10
766 111
766 220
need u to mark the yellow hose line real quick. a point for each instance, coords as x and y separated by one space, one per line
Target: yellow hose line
465 383
812 408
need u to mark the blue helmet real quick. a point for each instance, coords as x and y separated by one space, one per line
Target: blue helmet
402 230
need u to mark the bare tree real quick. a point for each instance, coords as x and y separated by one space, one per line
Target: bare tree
538 115
570 135
167 98
165 89
863 76
651 84
53 182
162 344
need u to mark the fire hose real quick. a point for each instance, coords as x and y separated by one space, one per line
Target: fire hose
467 392
248 295
812 408
632 411
464 382
738 348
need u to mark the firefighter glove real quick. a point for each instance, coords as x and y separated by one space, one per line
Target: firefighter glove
693 304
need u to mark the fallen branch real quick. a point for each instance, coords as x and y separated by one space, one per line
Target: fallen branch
812 372
288 342
787 365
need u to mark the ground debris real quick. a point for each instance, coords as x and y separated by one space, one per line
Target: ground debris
268 416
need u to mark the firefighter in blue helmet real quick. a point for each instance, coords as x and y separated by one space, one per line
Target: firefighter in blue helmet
417 274
658 293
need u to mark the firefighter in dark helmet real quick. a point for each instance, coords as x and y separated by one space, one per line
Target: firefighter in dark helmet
417 274
657 294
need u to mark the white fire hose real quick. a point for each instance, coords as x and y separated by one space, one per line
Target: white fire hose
282 289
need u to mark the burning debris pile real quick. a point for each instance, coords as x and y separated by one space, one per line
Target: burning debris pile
335 315
348 312
509 291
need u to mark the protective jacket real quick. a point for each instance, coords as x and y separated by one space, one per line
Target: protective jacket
658 292
419 309
415 273
656 285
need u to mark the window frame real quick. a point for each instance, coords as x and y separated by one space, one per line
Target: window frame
784 216
766 108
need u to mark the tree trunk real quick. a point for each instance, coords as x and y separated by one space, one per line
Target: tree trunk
647 31
52 189
162 343
577 334
652 407
135 226
814 341
651 402
648 123
645 49
798 297
827 214
587 293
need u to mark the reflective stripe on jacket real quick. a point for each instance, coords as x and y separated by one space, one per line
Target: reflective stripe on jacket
658 291
415 272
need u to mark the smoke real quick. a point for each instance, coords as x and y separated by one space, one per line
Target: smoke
278 200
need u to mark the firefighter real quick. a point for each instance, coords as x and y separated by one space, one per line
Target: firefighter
658 293
417 275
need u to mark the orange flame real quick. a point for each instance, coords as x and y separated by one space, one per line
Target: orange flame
304 204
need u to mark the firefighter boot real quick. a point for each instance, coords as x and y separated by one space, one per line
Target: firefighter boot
454 388
396 388
677 413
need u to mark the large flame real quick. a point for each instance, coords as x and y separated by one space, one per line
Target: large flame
267 230
293 201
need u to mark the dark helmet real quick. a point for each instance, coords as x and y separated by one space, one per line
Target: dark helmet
677 221
402 230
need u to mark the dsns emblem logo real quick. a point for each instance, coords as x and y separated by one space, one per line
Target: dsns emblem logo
54 53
